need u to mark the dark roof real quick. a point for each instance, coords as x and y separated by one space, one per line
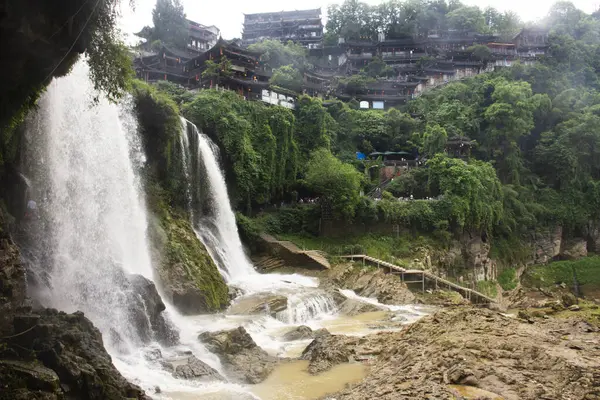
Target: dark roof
177 52
288 13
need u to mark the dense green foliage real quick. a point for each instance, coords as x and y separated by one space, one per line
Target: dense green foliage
182 255
170 25
395 18
338 183
586 270
276 54
258 144
288 77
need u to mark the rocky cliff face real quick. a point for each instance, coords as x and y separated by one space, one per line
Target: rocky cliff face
186 272
46 354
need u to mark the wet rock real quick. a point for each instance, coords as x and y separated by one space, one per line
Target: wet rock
299 333
31 375
70 346
194 369
374 283
472 347
568 299
146 309
327 351
13 286
260 303
353 307
321 332
244 360
574 307
187 274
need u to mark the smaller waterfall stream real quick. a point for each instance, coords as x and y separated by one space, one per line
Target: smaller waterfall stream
214 223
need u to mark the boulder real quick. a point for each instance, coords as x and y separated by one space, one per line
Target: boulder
546 245
327 351
352 307
569 299
574 249
188 276
299 333
195 369
146 307
239 354
260 303
13 286
70 346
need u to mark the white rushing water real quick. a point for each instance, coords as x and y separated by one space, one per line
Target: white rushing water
90 239
407 313
91 200
91 234
214 221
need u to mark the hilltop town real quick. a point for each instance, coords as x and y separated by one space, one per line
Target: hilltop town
378 70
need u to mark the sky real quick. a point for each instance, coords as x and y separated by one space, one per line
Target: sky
228 15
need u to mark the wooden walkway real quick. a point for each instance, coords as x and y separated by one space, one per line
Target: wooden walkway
314 256
417 276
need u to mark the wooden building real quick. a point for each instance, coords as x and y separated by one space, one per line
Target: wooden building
304 27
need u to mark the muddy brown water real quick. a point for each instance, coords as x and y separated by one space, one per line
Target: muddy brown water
291 381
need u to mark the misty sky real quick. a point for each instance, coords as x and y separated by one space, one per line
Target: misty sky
228 16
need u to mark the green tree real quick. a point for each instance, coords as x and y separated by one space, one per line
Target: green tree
509 118
336 182
314 126
170 25
471 192
481 52
215 71
276 54
467 18
288 77
377 68
434 140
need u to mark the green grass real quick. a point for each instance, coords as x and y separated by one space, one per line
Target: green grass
488 288
508 279
400 250
587 270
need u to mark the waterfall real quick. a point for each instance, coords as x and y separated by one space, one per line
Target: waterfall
214 221
303 307
87 247
91 226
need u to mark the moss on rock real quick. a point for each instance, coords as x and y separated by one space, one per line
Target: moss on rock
187 273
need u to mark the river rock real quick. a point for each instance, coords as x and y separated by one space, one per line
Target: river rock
352 307
260 303
195 369
386 288
327 351
244 360
299 333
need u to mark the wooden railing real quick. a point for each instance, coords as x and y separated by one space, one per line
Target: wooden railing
417 276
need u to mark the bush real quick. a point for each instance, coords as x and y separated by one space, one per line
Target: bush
508 279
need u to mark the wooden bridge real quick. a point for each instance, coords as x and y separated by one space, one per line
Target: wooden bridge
291 253
417 276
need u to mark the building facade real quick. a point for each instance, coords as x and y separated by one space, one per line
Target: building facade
202 37
304 27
